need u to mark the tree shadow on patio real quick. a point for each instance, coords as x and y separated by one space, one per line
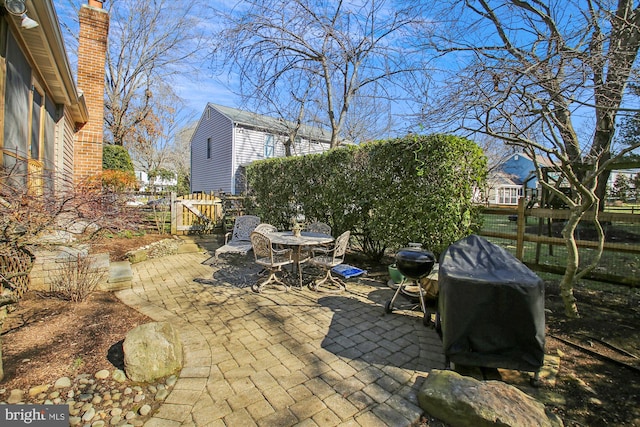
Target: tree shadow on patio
360 330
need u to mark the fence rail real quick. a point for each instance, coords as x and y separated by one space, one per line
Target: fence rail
539 246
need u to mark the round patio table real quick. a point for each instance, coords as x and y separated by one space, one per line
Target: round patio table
306 239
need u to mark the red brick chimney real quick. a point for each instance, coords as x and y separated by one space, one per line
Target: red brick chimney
92 50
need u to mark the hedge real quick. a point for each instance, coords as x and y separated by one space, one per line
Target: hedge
388 193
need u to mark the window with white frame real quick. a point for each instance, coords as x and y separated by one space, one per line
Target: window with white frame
269 146
508 195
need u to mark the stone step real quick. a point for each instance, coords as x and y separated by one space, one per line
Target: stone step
120 271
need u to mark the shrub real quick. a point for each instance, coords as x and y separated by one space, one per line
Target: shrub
116 157
76 279
388 193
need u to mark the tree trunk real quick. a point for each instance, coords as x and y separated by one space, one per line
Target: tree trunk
573 261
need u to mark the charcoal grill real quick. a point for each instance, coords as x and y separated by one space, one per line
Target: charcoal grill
414 263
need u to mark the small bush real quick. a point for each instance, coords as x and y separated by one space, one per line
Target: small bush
116 157
76 279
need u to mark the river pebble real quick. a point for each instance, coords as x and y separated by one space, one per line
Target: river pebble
103 399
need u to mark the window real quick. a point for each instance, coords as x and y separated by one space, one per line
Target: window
508 195
269 146
208 148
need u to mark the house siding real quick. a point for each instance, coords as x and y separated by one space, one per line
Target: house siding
214 173
235 145
64 155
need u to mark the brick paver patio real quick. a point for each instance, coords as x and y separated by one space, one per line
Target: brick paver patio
281 359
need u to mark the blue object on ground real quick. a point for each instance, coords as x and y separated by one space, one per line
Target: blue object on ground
347 271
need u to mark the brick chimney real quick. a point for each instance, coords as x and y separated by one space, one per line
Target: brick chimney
92 50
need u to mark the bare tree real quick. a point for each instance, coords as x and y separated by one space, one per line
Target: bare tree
180 157
151 141
323 52
150 42
550 77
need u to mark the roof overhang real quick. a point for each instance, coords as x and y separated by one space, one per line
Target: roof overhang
44 45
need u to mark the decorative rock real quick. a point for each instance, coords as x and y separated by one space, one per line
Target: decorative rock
116 396
15 396
152 351
152 389
102 374
54 394
96 399
116 412
161 394
458 400
119 375
115 420
171 381
138 398
63 382
99 423
70 394
85 397
88 416
75 421
128 390
130 415
144 410
34 391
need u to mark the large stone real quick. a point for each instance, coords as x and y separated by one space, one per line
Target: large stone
152 351
465 401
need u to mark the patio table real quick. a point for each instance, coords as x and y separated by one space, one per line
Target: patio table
305 239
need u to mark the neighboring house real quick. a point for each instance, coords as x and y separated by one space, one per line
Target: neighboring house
512 179
159 184
51 127
226 140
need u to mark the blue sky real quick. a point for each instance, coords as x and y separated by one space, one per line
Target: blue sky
196 90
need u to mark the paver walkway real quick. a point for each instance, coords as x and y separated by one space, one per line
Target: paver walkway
281 359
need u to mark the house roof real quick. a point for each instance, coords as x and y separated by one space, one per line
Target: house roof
45 47
280 126
542 161
500 178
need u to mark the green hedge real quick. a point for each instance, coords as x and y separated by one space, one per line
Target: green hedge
116 157
388 193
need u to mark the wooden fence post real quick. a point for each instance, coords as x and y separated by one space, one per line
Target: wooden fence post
522 221
174 215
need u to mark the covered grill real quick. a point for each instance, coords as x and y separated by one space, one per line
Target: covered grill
490 308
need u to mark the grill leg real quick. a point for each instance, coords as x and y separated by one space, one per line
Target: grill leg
389 306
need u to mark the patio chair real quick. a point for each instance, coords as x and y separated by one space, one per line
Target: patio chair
238 241
327 258
319 227
265 228
271 259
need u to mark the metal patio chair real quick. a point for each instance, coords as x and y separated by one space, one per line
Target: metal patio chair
327 258
271 259
238 241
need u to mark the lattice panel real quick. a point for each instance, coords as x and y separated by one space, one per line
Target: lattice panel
15 267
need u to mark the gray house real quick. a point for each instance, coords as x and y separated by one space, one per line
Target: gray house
226 140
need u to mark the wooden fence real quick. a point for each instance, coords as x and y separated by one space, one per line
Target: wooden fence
543 235
198 212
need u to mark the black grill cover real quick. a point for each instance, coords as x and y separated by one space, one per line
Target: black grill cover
491 307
